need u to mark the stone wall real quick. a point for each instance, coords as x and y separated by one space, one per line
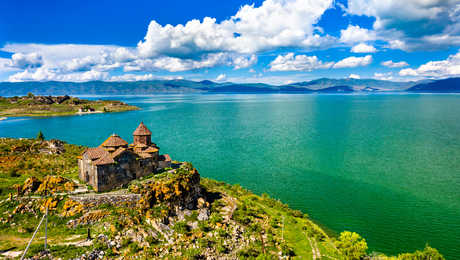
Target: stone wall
113 199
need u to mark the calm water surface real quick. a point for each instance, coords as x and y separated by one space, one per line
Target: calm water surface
385 166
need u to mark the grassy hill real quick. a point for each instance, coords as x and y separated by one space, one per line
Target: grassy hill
31 105
175 214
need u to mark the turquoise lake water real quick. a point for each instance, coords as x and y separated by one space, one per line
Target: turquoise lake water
385 166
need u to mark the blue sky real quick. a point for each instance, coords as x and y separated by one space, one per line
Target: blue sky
271 41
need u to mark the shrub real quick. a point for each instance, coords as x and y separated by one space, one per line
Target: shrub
428 253
352 245
181 227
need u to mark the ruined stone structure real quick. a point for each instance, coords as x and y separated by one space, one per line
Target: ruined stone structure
115 162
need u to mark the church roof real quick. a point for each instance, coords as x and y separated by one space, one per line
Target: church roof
151 150
165 157
142 130
145 155
114 140
95 152
104 160
118 152
139 145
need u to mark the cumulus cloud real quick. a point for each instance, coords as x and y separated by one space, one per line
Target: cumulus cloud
133 77
354 76
363 48
29 60
276 23
44 74
291 62
68 61
412 24
174 64
354 34
353 61
383 76
221 77
436 69
391 64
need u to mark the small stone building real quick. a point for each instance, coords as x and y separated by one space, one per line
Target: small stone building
115 162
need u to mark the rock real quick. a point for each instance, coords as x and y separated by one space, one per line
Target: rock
201 202
203 214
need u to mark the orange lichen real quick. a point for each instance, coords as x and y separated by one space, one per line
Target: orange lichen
71 208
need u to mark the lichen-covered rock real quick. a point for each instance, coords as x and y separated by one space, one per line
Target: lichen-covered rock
181 188
71 208
54 184
50 203
30 185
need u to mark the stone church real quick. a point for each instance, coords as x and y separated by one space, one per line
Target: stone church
115 162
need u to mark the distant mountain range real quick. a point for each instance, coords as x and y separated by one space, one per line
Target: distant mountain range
323 85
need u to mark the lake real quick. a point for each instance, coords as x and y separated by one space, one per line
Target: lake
386 166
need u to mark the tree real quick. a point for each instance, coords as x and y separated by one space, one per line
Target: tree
30 95
40 136
428 253
352 245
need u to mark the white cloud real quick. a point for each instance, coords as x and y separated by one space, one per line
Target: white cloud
391 64
276 23
54 54
291 62
174 64
436 69
354 34
133 77
221 77
363 48
29 60
383 76
352 62
44 74
354 76
412 24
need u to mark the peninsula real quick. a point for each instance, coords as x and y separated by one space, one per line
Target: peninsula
151 207
32 105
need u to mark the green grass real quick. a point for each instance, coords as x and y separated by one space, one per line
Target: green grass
29 107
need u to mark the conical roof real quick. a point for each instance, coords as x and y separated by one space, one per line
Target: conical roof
142 130
114 141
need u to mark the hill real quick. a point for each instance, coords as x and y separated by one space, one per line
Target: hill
451 85
187 86
32 105
175 214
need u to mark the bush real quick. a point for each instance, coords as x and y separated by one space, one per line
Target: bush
352 245
181 227
428 253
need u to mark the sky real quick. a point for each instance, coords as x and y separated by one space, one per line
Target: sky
271 41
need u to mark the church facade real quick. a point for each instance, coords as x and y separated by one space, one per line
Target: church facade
115 162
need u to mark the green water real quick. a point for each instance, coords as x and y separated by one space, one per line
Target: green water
385 166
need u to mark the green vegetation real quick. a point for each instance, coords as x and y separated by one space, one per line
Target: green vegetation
31 105
179 216
352 245
40 136
21 159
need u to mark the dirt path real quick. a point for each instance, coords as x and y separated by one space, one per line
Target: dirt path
314 248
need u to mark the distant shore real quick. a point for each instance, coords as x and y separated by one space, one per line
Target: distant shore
35 106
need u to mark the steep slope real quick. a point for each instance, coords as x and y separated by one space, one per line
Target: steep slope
451 85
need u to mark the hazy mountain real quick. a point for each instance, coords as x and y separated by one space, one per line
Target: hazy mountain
451 85
323 85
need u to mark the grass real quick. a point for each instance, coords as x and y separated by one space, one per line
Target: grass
267 225
28 106
293 232
19 160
